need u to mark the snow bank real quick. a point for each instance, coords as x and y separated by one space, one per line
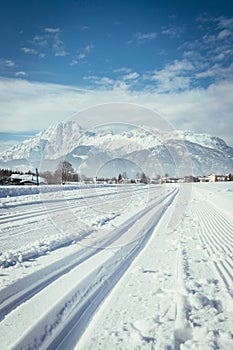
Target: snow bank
13 191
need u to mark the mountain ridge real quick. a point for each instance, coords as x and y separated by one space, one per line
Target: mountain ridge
164 149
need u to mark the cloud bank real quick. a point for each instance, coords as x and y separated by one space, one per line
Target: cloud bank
28 106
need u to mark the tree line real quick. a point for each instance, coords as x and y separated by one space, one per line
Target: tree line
63 174
5 175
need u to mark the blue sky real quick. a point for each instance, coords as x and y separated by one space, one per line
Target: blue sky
60 57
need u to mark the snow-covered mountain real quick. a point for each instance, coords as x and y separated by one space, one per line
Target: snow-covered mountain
104 152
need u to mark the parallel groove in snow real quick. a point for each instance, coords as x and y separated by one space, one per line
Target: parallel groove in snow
72 331
43 211
175 285
23 295
216 234
15 234
119 265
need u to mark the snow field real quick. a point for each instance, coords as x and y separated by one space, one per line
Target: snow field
155 275
119 261
174 296
39 224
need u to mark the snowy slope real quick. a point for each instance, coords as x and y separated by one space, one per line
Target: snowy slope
54 142
156 151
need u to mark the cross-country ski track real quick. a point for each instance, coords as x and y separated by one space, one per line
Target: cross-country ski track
128 276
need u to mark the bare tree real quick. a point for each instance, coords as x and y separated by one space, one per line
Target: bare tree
64 172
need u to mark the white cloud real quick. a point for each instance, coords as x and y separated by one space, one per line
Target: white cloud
126 82
58 46
20 74
131 76
91 77
101 81
82 54
34 52
7 63
180 66
175 76
212 55
143 37
106 80
220 56
52 30
172 31
122 70
85 28
88 48
224 34
50 39
29 51
73 63
224 22
59 52
40 40
34 106
215 44
217 71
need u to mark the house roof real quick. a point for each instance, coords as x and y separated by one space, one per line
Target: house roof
27 178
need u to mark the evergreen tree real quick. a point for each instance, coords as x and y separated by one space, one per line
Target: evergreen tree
143 178
119 178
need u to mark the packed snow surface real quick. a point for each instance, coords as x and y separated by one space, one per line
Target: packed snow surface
117 267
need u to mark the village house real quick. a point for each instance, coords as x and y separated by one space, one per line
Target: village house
26 179
190 179
203 179
104 180
219 178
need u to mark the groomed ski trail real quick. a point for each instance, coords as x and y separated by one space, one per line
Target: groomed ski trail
70 300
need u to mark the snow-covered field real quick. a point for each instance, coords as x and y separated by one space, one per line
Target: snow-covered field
117 267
